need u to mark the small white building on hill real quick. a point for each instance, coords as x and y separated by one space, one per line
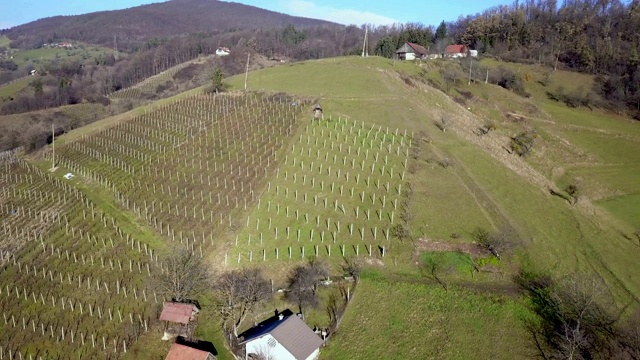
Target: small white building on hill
411 51
222 51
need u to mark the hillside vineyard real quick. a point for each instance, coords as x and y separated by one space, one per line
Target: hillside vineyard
75 281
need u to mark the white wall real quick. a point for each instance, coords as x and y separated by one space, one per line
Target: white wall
314 355
261 346
410 56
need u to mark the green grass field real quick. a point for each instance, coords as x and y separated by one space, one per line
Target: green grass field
411 320
39 57
4 41
9 90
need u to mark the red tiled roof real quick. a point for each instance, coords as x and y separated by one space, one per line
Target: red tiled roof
177 312
455 49
181 352
418 48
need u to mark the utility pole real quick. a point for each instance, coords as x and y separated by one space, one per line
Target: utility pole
470 65
365 51
53 144
246 74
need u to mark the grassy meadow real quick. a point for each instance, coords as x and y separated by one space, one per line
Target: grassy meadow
9 90
411 320
40 57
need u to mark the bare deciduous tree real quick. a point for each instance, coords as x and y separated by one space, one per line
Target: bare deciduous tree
238 292
498 242
432 267
184 275
303 283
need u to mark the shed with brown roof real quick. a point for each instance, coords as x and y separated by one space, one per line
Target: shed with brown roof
182 352
411 51
181 313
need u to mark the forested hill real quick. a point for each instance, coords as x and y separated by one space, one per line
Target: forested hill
135 26
599 37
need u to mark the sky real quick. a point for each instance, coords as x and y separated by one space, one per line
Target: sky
379 12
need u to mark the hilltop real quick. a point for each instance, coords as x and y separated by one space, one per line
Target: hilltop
134 26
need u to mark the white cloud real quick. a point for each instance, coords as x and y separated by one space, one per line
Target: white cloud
342 16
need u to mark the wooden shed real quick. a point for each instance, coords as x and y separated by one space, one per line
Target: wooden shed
317 112
179 318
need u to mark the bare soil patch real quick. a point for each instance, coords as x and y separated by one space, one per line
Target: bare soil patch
474 250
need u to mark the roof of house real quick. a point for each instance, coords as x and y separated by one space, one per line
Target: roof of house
418 48
291 332
182 352
177 312
455 49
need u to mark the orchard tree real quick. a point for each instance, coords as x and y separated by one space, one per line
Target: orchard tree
217 81
184 275
303 283
238 292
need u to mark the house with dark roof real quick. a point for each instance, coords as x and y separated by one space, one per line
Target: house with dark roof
183 352
411 51
284 337
456 51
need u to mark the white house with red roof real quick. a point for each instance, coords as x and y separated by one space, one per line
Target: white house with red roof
456 51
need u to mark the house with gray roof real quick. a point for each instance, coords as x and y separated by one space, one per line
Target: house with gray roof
283 337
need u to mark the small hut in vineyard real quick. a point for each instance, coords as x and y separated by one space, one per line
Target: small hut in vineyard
179 319
317 112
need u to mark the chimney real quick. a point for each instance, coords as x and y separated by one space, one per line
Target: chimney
281 317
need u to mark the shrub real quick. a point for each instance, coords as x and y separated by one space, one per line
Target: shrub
509 80
522 144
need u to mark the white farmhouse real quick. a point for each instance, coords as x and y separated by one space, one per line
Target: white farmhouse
222 51
282 337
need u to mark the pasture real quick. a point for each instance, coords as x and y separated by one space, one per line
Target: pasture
407 319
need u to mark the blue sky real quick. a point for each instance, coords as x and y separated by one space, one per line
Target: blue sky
341 11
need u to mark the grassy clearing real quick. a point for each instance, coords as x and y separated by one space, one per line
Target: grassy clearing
9 90
40 57
4 41
417 321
